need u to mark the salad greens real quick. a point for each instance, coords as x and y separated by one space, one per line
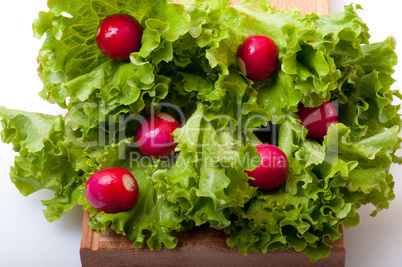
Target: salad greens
187 66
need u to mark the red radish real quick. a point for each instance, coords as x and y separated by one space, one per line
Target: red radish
273 170
317 120
154 135
118 36
257 57
112 190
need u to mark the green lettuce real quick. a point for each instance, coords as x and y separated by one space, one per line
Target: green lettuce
207 181
43 161
187 66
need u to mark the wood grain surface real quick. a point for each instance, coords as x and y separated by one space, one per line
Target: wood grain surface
321 7
201 246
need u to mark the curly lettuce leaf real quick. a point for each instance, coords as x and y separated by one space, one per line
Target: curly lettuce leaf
365 95
153 219
207 180
70 51
328 184
307 71
43 161
48 159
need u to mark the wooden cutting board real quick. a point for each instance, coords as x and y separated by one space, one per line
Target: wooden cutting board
201 246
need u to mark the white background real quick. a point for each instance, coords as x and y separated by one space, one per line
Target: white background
27 239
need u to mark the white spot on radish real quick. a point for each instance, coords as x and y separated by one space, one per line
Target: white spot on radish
128 182
97 31
166 117
242 65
